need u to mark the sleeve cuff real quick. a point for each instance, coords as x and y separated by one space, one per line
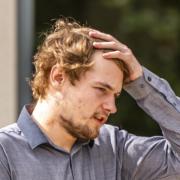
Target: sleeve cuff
142 86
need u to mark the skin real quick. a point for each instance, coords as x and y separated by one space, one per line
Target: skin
79 111
119 51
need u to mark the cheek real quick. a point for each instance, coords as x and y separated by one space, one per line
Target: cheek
89 104
83 103
85 107
76 105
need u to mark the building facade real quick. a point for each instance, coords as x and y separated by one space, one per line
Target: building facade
16 43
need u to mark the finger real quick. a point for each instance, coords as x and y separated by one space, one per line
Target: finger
100 35
107 37
111 45
117 55
105 45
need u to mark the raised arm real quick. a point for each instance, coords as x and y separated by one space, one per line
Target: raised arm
152 157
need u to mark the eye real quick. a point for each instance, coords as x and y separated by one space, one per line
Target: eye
101 90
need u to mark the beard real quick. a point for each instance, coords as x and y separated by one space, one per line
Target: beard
77 130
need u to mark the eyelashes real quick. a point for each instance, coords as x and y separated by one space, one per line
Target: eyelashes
104 91
101 89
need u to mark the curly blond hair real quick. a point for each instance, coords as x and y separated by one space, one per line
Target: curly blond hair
67 44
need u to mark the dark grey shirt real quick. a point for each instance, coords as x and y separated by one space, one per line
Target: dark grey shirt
27 154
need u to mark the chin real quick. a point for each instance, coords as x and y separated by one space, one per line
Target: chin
89 135
94 135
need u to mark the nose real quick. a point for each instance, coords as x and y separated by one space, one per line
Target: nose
110 106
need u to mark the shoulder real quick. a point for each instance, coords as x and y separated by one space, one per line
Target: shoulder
110 141
110 134
10 128
108 130
111 130
9 133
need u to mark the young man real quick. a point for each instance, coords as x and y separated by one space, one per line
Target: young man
79 73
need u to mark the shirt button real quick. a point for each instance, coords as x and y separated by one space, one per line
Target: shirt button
149 78
174 104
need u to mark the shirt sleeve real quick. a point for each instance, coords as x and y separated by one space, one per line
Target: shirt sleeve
154 157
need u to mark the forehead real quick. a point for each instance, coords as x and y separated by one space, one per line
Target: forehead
105 71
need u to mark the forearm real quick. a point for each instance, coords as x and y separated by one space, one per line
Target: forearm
156 98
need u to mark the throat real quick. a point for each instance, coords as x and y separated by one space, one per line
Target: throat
57 134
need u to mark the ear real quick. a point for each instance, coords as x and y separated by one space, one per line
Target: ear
57 77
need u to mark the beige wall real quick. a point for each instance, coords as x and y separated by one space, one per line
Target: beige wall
8 62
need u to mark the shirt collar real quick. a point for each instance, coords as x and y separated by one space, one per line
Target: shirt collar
33 133
30 129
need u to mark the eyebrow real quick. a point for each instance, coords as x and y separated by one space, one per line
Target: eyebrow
107 86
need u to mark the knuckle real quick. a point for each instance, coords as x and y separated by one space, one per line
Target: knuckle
125 47
118 53
113 43
109 36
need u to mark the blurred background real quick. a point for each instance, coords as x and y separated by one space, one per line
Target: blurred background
150 28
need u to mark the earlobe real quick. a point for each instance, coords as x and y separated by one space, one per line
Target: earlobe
56 77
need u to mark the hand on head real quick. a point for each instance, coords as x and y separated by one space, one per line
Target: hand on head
119 51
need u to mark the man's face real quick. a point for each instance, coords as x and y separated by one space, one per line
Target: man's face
86 106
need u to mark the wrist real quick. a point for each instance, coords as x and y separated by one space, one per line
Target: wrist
135 73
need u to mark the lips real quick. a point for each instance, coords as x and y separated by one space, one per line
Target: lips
100 119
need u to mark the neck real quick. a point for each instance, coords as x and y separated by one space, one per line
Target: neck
48 120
